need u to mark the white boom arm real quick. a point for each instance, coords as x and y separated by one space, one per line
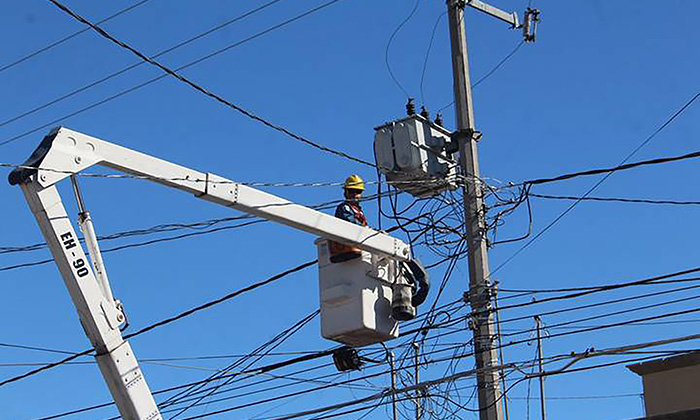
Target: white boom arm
63 153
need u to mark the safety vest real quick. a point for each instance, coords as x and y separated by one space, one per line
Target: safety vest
350 212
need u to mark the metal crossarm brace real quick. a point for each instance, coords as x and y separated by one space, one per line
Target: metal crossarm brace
511 18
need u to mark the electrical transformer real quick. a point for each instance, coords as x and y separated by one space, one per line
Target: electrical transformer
411 152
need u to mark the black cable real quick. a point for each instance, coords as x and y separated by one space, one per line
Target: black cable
208 92
604 326
649 280
167 320
388 45
490 72
613 169
270 367
619 200
326 385
598 304
597 184
427 55
69 37
608 314
43 368
140 244
576 289
155 229
256 370
221 299
287 363
155 79
135 65
526 194
44 349
170 227
274 343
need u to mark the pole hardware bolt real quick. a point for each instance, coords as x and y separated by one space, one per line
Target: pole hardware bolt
78 159
42 177
120 317
460 4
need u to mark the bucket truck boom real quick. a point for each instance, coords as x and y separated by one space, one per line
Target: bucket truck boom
64 153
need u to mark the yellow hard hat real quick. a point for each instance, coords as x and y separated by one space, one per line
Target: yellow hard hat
354 182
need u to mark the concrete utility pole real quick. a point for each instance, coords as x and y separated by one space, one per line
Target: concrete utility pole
394 412
419 392
488 380
539 358
480 291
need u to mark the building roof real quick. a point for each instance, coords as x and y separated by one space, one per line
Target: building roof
667 363
693 414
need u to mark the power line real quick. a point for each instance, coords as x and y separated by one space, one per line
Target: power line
208 92
221 299
229 182
169 227
270 367
597 184
649 280
608 314
613 169
135 65
253 403
272 344
490 72
260 370
69 37
167 320
427 55
603 303
162 228
373 397
388 45
611 325
618 200
140 244
253 372
582 397
34 348
157 78
576 289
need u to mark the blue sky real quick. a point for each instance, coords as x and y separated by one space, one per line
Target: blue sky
600 79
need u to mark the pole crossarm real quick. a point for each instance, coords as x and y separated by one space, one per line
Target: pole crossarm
511 18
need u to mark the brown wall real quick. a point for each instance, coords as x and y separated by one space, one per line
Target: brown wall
672 390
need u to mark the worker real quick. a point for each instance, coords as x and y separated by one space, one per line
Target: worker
350 211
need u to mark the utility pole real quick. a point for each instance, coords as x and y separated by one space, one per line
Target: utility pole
419 392
394 412
488 380
500 346
538 321
466 136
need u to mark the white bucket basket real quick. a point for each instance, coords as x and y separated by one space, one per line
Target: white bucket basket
355 298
